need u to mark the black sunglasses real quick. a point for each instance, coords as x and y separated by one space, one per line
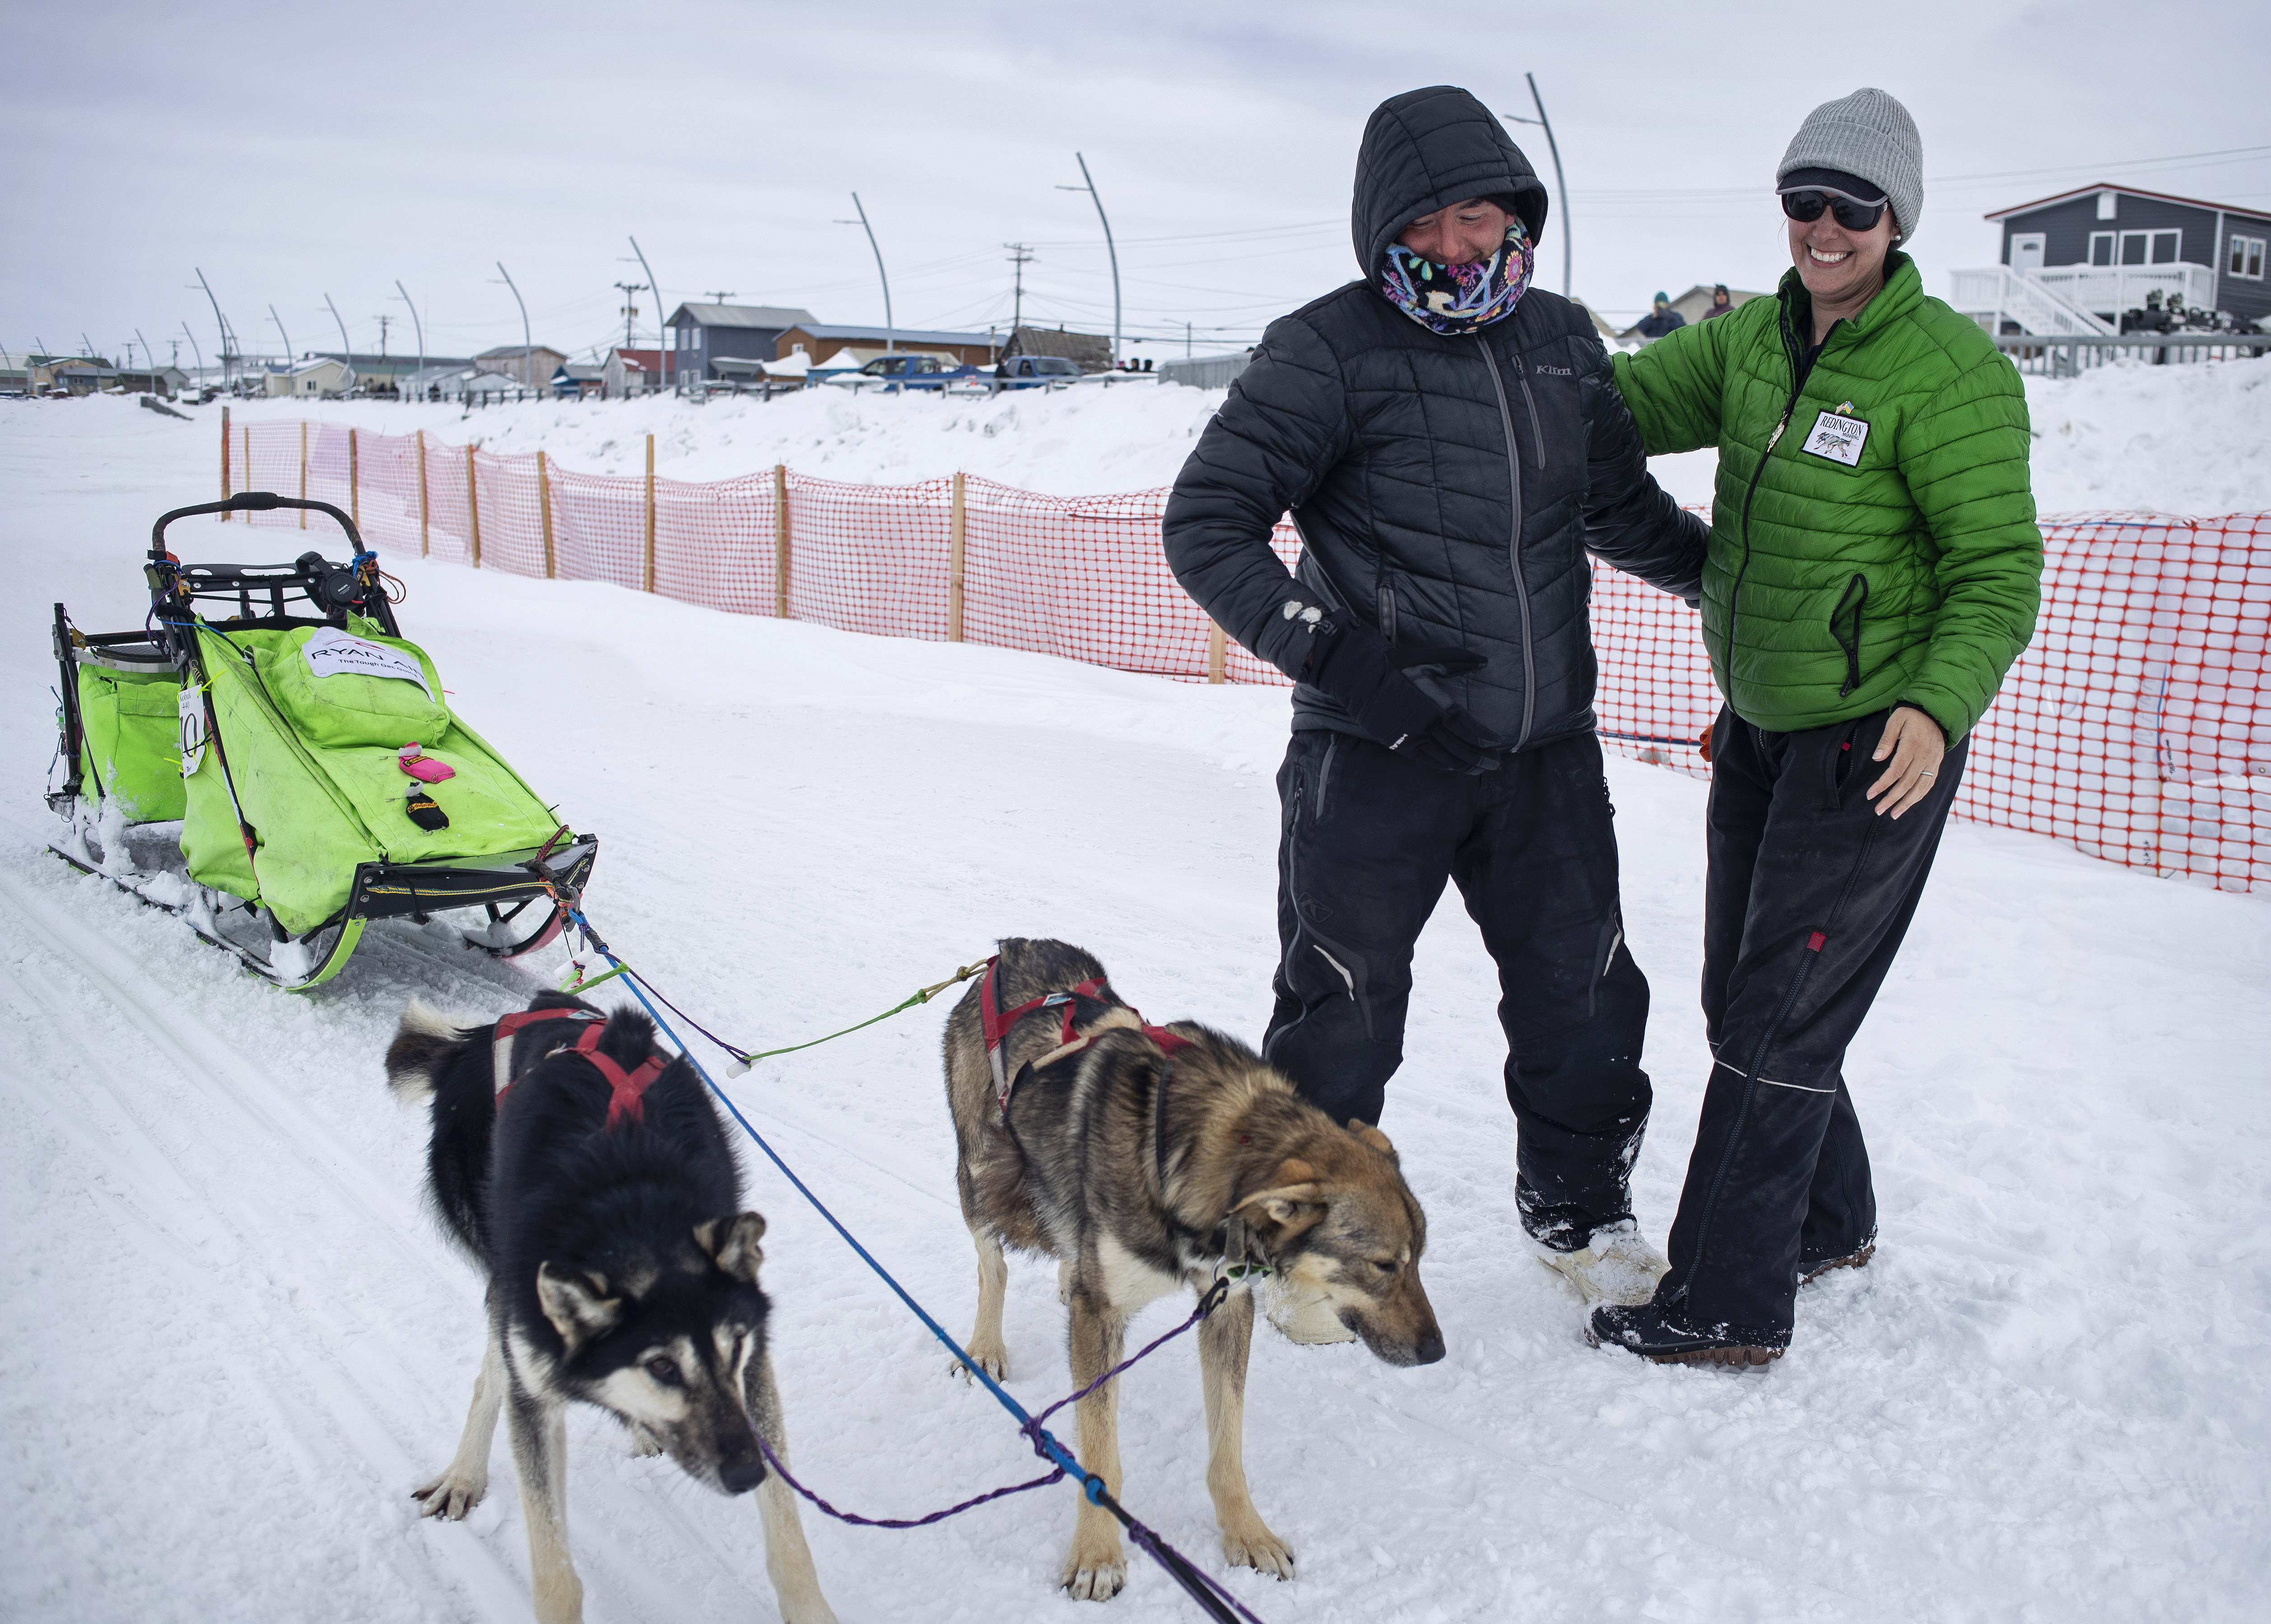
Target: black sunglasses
1805 204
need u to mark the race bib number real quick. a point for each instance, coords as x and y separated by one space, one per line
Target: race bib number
333 652
192 708
1839 439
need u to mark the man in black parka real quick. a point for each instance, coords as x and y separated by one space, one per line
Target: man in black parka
1448 442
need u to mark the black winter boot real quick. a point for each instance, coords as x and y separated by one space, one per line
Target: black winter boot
1652 1333
1812 1269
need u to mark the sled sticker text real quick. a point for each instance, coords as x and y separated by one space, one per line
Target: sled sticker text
333 652
1839 439
192 708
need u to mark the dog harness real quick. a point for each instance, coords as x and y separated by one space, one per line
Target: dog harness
626 1089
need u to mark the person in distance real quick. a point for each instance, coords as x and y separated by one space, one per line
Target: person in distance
1445 437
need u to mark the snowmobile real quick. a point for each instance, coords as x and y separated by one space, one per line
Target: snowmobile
282 777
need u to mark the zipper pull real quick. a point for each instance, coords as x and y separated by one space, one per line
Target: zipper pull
1774 438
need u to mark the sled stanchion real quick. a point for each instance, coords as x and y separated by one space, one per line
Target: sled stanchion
1208 1594
425 542
354 479
473 505
646 558
954 534
225 492
544 507
304 470
781 541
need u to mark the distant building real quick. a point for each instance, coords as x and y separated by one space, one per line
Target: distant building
702 335
574 382
73 375
448 381
531 366
319 377
826 346
1092 351
383 375
2074 263
630 372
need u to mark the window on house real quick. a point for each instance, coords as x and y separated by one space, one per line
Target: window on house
2166 246
2101 248
2246 257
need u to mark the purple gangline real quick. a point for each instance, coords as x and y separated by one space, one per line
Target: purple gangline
1031 1429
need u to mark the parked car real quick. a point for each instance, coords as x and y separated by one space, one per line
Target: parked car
895 373
1035 372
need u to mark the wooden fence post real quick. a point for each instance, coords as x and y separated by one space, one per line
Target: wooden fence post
646 561
1218 653
225 492
473 505
781 541
544 503
354 481
425 542
304 470
954 527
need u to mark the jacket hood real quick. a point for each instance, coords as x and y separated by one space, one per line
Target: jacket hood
1426 149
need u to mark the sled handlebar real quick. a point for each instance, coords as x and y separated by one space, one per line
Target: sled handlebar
250 502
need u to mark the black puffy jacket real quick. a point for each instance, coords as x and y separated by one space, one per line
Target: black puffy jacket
1405 457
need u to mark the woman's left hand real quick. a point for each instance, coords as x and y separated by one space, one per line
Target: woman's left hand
1916 746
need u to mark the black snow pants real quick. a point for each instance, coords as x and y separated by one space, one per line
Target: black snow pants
1369 838
1809 893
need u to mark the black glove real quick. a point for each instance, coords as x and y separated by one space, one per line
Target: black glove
1364 671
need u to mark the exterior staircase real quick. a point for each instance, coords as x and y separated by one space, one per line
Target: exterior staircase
1998 294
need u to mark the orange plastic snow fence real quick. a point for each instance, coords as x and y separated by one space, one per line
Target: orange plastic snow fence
2136 726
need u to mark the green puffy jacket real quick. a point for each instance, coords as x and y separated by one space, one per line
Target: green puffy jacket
1873 537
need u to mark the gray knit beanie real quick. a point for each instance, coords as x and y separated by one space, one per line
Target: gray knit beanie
1871 135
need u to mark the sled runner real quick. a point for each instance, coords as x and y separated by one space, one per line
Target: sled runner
270 760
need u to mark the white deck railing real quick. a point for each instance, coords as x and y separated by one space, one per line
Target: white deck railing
2123 287
1998 294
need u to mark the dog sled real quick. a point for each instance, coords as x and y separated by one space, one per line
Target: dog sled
268 759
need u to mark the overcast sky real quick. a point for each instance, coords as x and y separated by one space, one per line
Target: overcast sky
297 150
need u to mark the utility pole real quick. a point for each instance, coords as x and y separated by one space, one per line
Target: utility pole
346 348
662 354
1021 255
418 326
220 321
527 344
1089 188
630 307
718 296
382 320
1560 185
890 331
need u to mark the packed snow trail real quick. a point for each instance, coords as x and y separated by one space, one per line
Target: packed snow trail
233 1342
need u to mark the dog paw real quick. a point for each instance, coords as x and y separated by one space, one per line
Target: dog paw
450 1495
992 1358
644 1444
1256 1547
1096 1571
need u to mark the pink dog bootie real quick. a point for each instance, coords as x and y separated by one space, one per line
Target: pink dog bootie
413 759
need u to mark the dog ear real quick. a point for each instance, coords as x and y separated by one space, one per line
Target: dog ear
1289 1201
576 1303
1373 1137
732 1243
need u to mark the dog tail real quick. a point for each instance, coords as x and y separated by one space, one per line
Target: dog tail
425 1042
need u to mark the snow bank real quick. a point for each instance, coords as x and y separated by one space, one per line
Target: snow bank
233 1342
2186 439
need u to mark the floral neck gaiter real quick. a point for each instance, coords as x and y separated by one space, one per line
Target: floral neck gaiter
1459 299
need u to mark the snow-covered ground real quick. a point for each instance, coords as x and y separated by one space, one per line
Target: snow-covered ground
232 1342
2189 439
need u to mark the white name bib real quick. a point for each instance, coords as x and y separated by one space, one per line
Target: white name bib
191 708
333 652
1840 439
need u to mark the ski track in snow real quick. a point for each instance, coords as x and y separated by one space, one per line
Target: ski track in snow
233 1342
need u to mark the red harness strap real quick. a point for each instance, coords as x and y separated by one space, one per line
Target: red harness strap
996 1024
629 1098
627 1095
509 1026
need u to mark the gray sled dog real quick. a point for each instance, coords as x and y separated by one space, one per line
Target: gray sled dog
1142 1157
588 1175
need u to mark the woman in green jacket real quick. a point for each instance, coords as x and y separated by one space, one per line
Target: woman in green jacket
1873 570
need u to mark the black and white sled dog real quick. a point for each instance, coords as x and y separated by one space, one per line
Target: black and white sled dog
589 1176
1144 1157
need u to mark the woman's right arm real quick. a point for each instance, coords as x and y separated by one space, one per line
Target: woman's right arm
1285 425
1673 386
